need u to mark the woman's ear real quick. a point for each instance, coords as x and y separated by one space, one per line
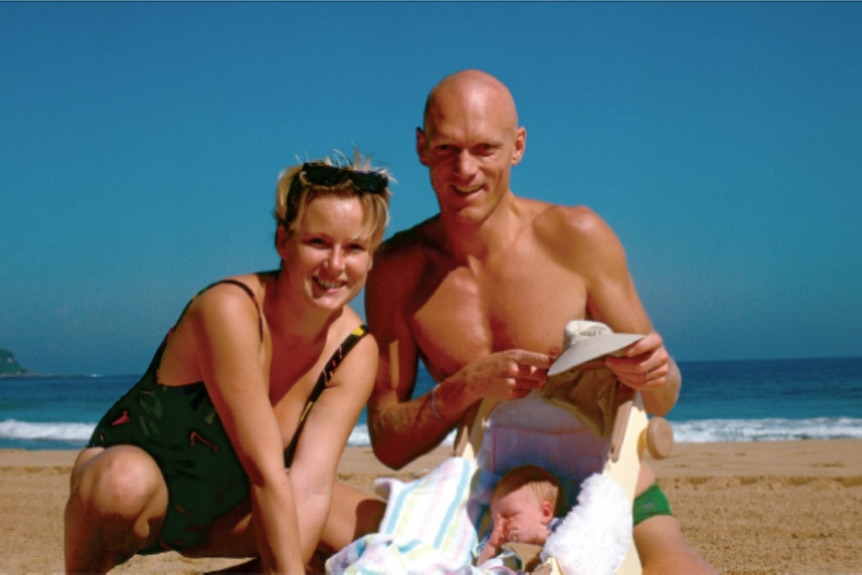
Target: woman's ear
281 238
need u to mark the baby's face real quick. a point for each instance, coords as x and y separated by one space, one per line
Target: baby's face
520 511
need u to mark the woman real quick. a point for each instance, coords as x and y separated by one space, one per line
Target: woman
226 404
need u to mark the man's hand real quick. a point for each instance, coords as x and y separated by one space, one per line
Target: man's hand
646 363
648 367
504 375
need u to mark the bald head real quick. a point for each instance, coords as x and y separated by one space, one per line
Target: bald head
469 142
470 90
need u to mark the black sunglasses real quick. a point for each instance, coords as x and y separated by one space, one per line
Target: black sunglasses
326 175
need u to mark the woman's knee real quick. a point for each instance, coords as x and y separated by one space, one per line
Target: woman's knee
120 482
116 507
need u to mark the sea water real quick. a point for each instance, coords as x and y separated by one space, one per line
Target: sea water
752 400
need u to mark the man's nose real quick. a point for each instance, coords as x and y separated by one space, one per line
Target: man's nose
465 164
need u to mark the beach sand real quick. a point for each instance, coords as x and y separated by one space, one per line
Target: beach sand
749 508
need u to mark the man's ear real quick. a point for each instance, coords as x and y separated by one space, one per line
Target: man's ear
520 145
420 146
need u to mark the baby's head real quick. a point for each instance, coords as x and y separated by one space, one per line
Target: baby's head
526 496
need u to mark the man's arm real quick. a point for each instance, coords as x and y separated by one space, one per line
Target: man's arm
401 428
613 299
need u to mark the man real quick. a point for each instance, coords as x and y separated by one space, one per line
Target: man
482 292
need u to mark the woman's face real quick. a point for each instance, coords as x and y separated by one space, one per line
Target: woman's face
325 257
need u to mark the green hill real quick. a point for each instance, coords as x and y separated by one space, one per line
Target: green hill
8 365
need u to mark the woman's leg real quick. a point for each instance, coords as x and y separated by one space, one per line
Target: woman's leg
352 514
116 507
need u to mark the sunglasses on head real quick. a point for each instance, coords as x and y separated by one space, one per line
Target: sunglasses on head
326 175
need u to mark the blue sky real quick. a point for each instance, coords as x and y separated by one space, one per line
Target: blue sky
140 144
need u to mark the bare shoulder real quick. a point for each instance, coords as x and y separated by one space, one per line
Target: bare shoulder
558 225
406 244
221 320
401 258
348 324
361 360
557 219
399 275
226 296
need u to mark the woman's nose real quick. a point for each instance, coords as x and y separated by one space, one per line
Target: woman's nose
335 261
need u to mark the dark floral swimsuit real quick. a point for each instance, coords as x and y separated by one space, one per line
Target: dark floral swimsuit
179 427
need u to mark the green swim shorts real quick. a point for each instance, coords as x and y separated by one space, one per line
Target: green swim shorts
650 503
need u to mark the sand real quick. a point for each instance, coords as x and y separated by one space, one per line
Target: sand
749 508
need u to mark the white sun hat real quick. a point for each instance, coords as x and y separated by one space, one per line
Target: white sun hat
585 341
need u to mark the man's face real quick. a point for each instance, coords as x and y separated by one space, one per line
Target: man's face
469 145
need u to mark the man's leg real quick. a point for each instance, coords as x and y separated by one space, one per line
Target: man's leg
661 545
663 549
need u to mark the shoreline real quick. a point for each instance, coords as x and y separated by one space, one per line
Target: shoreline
749 508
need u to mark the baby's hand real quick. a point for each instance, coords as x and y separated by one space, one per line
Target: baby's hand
498 535
535 535
495 541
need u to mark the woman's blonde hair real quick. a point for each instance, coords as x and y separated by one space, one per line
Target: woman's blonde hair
295 190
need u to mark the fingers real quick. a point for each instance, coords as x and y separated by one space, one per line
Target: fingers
528 373
530 366
646 363
638 374
520 372
506 375
530 358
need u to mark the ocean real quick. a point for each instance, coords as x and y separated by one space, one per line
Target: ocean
752 400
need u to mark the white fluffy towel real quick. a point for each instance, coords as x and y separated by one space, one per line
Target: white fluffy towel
595 535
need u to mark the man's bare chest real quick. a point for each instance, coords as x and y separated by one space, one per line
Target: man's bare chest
468 316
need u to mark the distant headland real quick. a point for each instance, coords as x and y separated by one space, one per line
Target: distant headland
8 365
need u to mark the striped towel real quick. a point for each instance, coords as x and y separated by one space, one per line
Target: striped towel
429 528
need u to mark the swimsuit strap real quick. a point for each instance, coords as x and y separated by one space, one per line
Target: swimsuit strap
328 370
237 283
247 290
157 358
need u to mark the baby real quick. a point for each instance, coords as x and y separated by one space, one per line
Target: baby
523 506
